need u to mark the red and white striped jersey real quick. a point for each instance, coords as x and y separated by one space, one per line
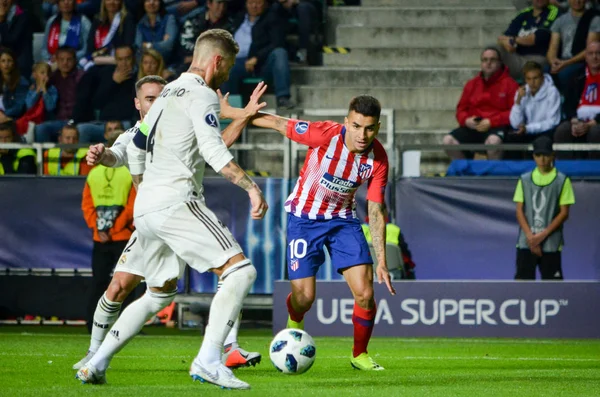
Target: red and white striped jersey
331 173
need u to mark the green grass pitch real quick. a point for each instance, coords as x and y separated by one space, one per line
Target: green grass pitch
36 361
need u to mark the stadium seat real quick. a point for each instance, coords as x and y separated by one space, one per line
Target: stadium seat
395 262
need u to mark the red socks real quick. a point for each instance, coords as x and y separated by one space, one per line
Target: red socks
363 321
294 315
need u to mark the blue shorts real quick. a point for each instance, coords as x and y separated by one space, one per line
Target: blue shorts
306 238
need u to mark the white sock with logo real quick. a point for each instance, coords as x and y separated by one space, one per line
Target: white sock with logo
105 316
129 325
225 309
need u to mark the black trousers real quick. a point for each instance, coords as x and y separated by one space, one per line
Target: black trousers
550 264
104 259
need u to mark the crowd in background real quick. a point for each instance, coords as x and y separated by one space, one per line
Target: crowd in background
552 49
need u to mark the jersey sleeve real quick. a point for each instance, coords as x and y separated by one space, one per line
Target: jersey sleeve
119 148
567 196
518 197
312 134
204 114
378 181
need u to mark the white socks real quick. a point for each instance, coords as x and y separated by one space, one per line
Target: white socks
129 325
225 309
233 333
105 316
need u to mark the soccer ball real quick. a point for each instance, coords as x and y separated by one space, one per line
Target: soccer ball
292 351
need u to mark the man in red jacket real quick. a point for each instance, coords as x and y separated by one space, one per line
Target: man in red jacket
484 107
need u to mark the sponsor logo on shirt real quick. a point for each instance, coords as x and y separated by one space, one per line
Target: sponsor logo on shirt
301 127
212 120
338 185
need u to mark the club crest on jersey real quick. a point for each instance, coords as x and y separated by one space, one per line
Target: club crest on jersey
212 120
365 171
301 127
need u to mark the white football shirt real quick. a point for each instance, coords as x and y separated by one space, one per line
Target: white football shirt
119 148
182 129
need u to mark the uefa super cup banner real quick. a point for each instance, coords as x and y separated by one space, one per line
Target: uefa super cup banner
457 309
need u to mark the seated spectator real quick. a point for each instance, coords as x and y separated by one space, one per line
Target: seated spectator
214 16
66 162
40 100
536 110
89 8
156 30
260 35
110 128
570 34
184 9
65 79
66 29
306 17
151 64
528 37
116 87
16 34
484 107
15 161
582 106
113 28
13 87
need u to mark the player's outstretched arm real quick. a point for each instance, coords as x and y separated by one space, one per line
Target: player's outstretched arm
240 117
271 121
377 229
234 174
99 154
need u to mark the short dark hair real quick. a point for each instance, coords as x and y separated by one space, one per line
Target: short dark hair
149 79
119 47
496 50
10 126
70 50
365 105
532 65
70 126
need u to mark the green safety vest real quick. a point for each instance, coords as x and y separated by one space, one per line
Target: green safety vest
20 154
110 188
392 233
70 169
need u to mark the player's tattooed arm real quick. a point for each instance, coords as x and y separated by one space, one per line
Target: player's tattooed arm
234 174
274 122
377 228
137 179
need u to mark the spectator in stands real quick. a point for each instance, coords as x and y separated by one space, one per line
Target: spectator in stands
260 35
116 87
156 30
66 29
89 8
13 87
16 34
540 239
184 9
14 161
107 206
303 18
151 64
40 100
110 127
536 110
484 107
65 79
570 34
582 106
214 16
113 28
528 37
66 162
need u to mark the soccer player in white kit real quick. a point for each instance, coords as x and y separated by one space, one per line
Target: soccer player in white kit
174 226
128 272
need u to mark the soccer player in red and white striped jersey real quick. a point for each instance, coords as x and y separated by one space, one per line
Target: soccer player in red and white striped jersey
321 212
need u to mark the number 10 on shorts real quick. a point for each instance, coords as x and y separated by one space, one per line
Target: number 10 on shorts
297 248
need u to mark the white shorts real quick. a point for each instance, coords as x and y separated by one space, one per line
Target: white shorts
184 233
132 258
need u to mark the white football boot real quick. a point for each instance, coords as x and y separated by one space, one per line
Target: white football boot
220 375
